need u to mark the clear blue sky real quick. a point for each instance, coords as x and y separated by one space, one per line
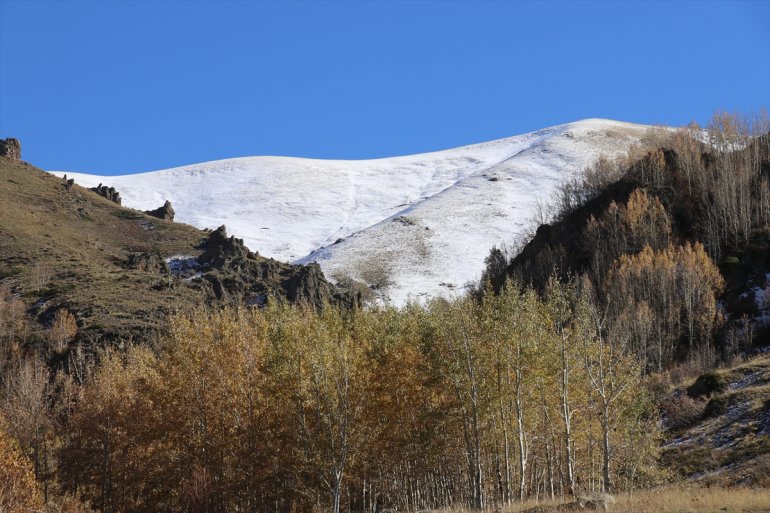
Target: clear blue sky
116 87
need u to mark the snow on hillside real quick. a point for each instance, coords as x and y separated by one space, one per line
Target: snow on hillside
417 226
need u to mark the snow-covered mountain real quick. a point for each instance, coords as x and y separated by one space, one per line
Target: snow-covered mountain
415 226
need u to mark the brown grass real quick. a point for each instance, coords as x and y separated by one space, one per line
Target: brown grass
695 500
673 499
68 248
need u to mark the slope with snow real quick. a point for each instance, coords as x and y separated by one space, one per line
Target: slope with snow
417 226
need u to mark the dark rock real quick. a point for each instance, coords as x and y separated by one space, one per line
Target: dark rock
11 149
107 192
148 262
232 273
715 407
166 212
217 286
219 249
308 284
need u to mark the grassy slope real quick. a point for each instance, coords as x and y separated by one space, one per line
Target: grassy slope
730 443
70 248
62 247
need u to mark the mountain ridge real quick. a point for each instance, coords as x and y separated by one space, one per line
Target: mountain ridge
335 212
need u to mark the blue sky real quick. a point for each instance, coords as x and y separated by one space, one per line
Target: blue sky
117 87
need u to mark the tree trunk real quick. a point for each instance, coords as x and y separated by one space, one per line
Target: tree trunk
606 485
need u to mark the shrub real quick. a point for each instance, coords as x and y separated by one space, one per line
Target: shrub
707 385
681 410
715 407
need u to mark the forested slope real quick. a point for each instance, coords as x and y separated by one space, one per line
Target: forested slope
658 236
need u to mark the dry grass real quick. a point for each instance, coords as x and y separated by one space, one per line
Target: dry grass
728 444
696 500
68 248
673 499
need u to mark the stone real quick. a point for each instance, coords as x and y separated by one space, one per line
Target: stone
148 262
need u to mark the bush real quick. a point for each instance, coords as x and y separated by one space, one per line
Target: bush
707 385
715 407
681 411
658 384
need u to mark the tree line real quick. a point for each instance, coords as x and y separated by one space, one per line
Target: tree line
294 409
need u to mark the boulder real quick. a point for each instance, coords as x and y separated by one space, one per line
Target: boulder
11 149
166 212
596 501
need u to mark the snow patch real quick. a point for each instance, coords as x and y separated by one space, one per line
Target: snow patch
184 266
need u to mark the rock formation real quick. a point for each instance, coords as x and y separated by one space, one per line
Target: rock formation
166 212
107 192
230 272
10 148
148 262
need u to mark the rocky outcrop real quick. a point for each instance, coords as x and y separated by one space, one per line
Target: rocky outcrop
166 212
148 262
219 250
308 284
107 192
232 273
11 149
68 182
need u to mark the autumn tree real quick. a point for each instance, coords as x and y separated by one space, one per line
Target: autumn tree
626 229
63 330
19 490
664 295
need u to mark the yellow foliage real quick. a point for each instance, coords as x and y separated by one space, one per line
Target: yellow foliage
19 492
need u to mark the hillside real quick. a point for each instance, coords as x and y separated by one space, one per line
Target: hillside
121 271
416 226
727 439
635 211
